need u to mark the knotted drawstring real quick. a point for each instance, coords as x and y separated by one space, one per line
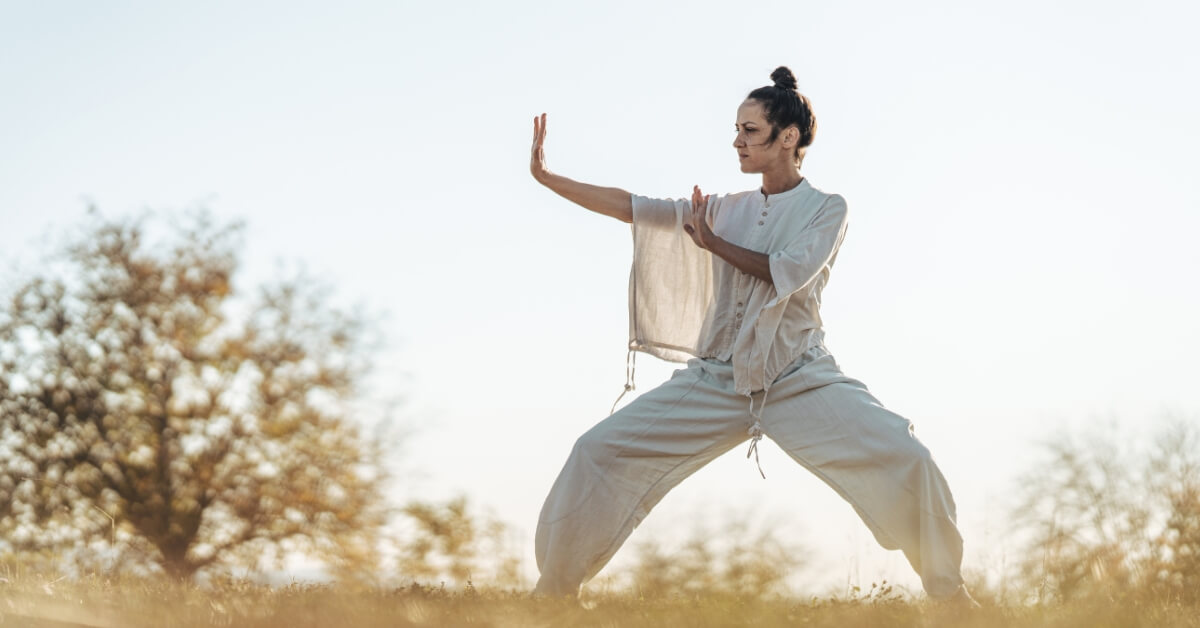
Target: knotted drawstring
756 431
630 369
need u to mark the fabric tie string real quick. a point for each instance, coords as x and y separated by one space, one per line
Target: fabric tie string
756 432
630 370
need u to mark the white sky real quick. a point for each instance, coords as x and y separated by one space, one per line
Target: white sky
1021 180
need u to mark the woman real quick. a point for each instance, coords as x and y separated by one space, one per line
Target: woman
734 282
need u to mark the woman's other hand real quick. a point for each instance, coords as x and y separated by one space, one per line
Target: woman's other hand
537 155
702 234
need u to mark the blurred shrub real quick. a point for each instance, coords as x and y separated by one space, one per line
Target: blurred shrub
1102 518
448 542
735 560
1174 481
151 420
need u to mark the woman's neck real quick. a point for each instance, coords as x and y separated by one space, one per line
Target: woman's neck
782 180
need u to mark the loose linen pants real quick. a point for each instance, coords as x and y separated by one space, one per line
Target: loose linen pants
827 422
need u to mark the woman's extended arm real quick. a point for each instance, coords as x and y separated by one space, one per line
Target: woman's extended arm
613 202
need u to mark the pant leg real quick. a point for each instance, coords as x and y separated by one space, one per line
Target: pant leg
834 427
624 465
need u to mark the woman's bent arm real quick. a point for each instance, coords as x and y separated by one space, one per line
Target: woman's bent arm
613 202
750 262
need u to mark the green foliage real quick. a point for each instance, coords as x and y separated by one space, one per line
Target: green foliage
145 425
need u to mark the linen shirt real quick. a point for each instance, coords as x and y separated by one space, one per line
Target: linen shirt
686 302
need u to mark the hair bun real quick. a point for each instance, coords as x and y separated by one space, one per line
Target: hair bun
784 78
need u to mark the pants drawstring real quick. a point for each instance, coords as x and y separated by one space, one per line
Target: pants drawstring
630 370
756 431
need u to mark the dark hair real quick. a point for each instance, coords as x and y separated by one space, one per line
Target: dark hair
786 107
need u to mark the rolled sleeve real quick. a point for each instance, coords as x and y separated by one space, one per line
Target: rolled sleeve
801 260
659 213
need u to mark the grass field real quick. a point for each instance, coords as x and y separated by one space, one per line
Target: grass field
155 603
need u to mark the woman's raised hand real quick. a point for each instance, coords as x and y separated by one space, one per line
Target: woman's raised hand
537 156
613 202
697 226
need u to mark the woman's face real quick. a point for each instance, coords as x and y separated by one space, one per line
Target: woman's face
753 133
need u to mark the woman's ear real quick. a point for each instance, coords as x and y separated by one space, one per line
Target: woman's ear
791 136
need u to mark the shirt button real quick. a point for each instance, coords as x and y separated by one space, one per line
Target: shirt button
739 304
764 213
739 314
760 222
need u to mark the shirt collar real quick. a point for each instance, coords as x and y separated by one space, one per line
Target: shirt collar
775 198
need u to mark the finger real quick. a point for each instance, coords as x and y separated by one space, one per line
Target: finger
543 135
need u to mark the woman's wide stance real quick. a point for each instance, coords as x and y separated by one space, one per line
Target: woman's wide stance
826 421
734 283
